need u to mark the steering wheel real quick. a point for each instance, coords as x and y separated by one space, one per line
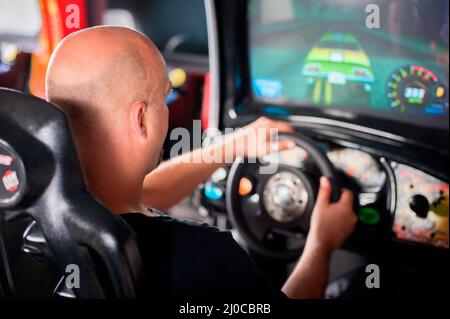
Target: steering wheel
280 203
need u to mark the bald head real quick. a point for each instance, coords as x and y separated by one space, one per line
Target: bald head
112 82
102 67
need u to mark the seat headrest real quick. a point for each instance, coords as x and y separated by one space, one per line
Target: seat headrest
40 176
35 140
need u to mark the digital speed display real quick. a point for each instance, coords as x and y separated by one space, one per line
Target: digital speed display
414 88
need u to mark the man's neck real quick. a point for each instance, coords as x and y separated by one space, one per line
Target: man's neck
111 176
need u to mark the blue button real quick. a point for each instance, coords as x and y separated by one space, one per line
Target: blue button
212 192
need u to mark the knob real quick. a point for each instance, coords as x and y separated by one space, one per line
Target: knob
420 205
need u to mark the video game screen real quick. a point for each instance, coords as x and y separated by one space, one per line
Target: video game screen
386 58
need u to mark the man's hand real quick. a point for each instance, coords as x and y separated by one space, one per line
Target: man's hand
332 223
254 140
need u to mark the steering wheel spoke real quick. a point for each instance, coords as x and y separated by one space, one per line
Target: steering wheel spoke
258 223
289 233
260 227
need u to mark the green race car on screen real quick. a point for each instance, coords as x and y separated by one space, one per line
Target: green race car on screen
339 59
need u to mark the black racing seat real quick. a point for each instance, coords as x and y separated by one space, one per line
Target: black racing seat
40 177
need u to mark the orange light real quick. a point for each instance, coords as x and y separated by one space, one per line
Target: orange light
245 186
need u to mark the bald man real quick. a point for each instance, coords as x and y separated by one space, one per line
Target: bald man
112 83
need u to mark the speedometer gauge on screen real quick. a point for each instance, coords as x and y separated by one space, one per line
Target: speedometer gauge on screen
414 88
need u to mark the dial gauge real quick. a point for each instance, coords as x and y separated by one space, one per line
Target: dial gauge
414 88
359 165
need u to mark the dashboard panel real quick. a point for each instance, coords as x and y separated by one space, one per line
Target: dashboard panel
361 166
419 213
422 208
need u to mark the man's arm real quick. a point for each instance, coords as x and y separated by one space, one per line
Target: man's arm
178 177
331 224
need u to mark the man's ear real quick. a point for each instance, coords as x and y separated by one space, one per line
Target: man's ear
138 123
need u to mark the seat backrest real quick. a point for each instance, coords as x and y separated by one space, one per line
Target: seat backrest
40 176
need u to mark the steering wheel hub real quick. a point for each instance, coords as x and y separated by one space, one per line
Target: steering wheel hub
285 197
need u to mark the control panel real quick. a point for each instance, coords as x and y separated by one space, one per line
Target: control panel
422 209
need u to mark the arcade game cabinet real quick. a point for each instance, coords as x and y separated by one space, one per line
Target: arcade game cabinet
373 101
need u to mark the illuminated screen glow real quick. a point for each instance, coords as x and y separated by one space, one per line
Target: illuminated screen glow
382 58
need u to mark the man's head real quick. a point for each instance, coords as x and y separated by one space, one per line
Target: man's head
112 83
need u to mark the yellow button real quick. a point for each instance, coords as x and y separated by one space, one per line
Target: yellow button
177 77
9 53
440 91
